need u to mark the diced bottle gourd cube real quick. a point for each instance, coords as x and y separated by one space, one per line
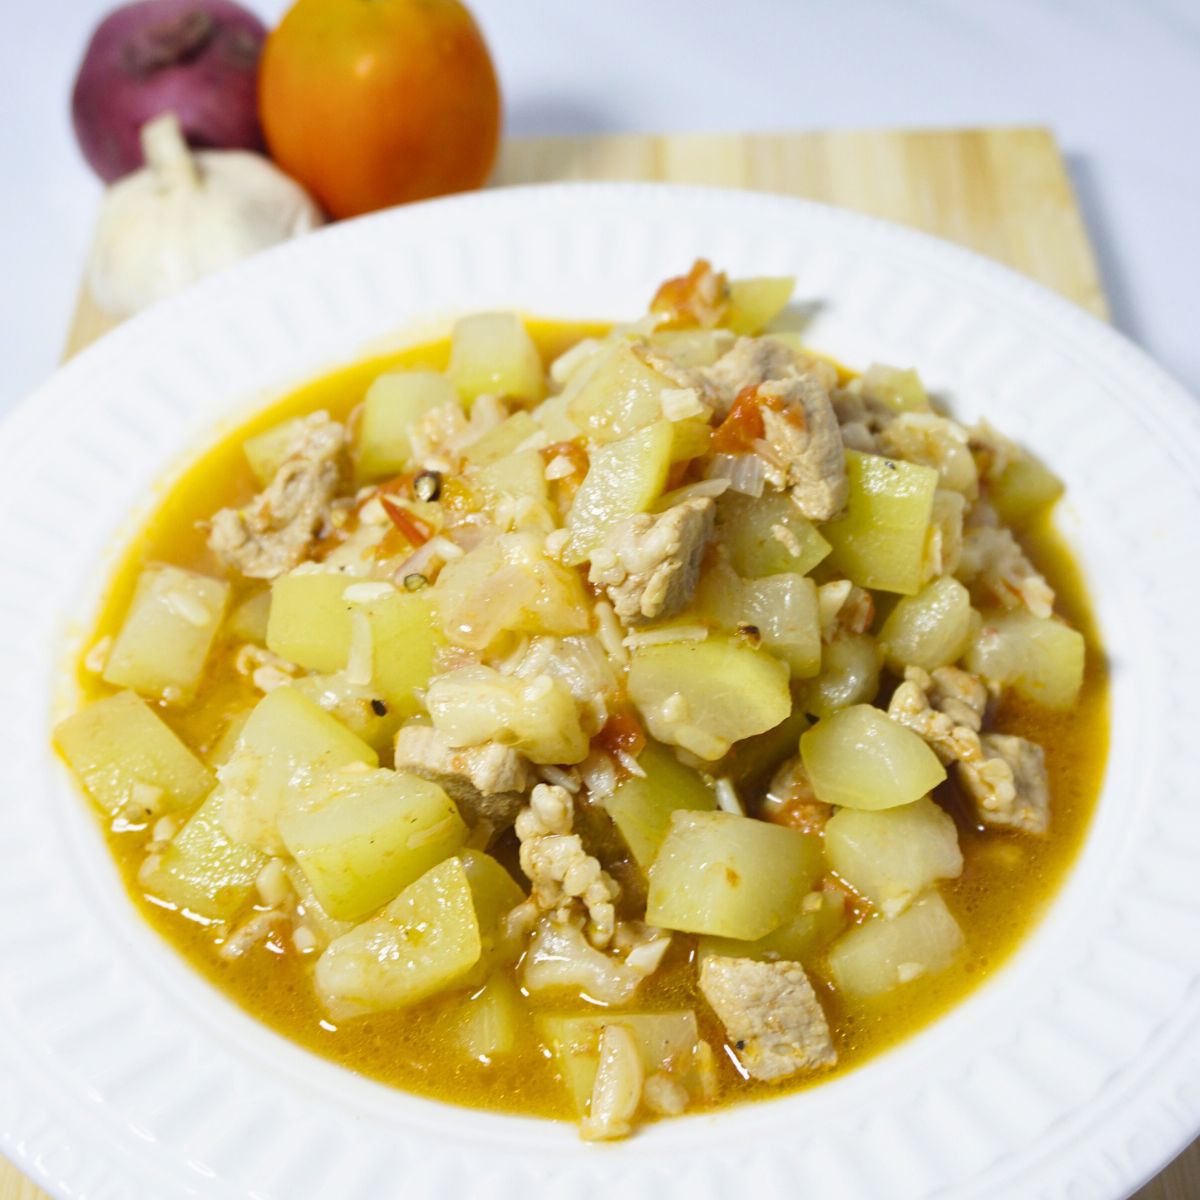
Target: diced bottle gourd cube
706 695
879 541
754 303
221 750
621 395
861 758
801 938
122 752
691 347
641 808
1041 659
783 608
731 876
492 1020
492 353
287 740
504 586
204 870
768 536
1025 491
163 643
520 474
361 837
309 621
690 438
248 621
395 402
424 942
885 953
624 478
665 1041
500 442
892 856
402 640
496 893
358 706
849 675
928 630
899 388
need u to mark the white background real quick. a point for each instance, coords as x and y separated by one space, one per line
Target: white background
1119 83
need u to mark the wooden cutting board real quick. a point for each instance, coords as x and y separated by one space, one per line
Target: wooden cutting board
1002 192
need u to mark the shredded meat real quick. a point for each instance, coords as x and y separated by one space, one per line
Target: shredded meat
1009 786
943 544
563 875
275 531
945 708
861 418
992 558
1005 777
649 565
487 782
771 1015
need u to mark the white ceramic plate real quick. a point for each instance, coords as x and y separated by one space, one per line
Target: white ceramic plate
1075 1072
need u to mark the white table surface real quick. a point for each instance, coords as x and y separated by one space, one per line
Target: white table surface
1119 83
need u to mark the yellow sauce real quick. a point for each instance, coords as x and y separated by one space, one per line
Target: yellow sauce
1006 885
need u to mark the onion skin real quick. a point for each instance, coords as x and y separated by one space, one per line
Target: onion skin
196 58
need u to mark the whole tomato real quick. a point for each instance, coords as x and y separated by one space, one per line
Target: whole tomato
370 103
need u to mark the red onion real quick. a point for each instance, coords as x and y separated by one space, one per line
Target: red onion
196 58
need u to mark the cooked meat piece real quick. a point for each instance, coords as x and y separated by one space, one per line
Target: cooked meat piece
992 558
791 801
754 361
649 564
945 708
564 876
771 1015
1009 786
487 782
807 445
861 418
959 694
751 361
274 532
943 546
1004 776
803 447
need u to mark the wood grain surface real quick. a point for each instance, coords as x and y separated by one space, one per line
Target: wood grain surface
1003 192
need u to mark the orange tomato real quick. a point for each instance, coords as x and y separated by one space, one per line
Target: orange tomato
370 103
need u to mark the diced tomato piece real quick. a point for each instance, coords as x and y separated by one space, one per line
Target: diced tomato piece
698 298
411 526
622 731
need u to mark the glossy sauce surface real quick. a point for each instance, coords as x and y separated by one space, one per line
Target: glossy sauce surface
1007 882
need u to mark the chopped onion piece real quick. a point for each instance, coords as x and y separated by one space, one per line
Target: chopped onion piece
747 473
727 797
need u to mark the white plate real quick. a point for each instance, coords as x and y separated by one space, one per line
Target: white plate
1075 1072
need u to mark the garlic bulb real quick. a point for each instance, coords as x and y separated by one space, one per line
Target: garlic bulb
187 214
